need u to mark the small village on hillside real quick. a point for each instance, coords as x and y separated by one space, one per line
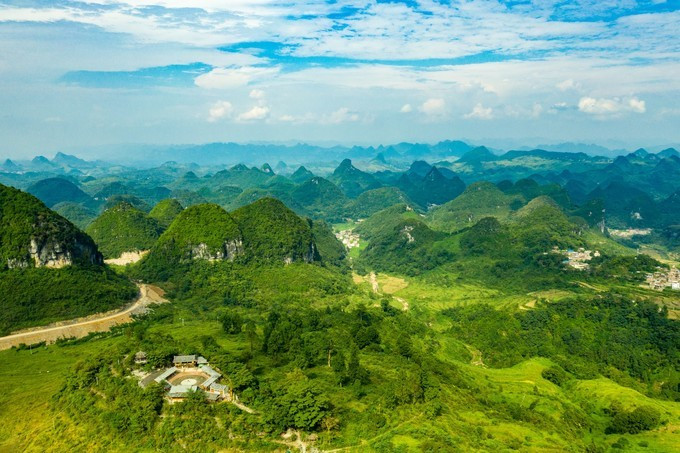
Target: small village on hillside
189 374
664 279
578 259
630 232
349 238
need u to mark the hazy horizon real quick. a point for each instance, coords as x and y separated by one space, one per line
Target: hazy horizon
128 153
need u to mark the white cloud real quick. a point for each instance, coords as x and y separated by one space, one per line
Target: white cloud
611 106
480 112
568 84
220 110
258 112
299 119
225 78
433 107
342 115
406 108
256 94
636 105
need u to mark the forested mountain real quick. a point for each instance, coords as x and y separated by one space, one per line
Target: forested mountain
56 190
50 269
165 211
272 232
123 228
351 180
34 236
485 301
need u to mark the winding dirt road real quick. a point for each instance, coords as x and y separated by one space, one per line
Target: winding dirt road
81 327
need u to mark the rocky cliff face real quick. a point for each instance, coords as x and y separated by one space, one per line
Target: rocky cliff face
53 253
229 251
311 255
31 235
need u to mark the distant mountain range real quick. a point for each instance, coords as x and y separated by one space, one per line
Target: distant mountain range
228 153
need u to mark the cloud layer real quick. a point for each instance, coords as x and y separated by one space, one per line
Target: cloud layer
363 70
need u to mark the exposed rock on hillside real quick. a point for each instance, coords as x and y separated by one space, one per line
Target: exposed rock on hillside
33 236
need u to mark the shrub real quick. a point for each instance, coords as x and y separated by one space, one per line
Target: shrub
641 419
556 375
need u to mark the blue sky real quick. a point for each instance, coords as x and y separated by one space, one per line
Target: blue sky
96 72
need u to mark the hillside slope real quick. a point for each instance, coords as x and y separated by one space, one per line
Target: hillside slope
123 228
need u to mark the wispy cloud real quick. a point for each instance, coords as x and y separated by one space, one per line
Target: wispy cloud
480 112
613 106
433 107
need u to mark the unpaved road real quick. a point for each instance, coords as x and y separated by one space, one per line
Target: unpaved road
374 282
80 327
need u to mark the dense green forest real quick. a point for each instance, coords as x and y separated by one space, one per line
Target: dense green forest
124 228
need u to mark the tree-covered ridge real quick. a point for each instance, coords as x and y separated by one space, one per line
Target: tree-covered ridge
33 235
204 231
56 190
430 188
372 201
385 221
479 200
76 213
165 211
406 247
351 180
319 198
526 247
272 232
123 228
331 251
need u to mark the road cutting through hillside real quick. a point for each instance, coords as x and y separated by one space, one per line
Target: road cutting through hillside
80 327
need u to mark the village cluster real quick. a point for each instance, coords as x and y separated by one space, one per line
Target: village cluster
578 259
630 232
666 279
189 373
349 238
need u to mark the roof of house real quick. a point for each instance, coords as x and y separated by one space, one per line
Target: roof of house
184 359
218 387
210 371
201 360
208 382
180 391
166 374
212 396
